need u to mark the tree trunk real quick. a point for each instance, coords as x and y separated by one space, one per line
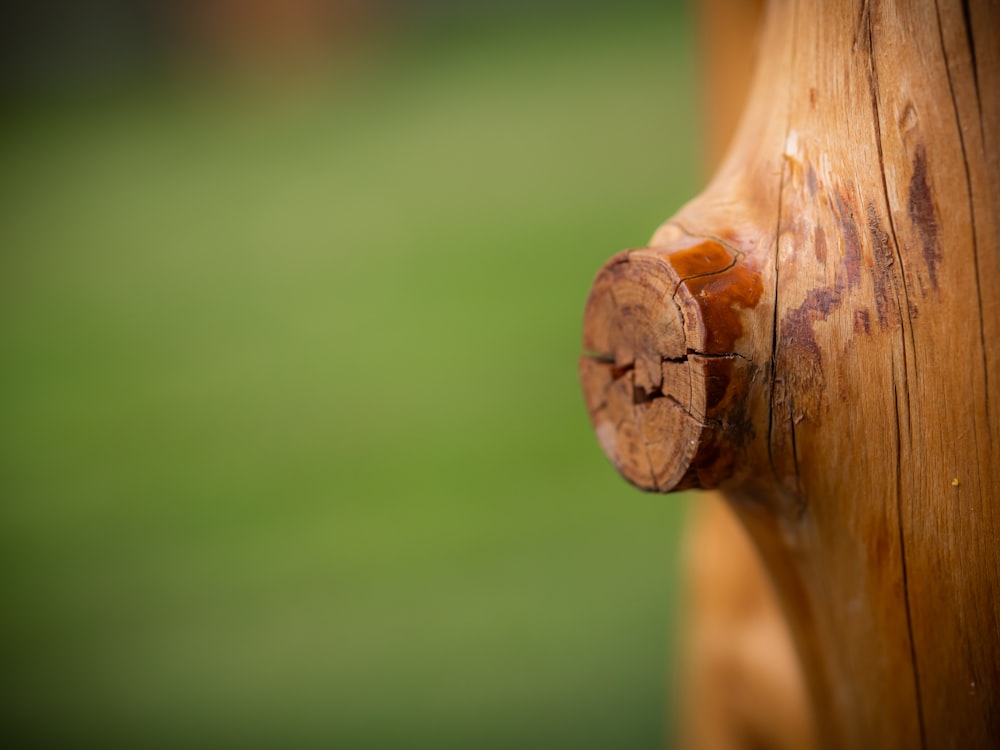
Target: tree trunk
814 335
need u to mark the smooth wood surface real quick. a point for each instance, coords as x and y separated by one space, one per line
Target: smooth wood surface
741 678
835 291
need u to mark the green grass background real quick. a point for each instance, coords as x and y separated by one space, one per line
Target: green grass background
292 449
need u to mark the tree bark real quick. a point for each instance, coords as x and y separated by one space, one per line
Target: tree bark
814 335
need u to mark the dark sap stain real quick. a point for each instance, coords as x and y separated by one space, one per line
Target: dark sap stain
811 181
920 206
798 342
710 464
862 322
881 272
819 245
738 421
729 417
880 239
721 286
718 374
852 241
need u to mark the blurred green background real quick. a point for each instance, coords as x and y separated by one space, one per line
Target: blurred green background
292 448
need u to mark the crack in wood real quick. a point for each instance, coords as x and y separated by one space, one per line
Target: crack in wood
968 182
903 325
699 236
970 38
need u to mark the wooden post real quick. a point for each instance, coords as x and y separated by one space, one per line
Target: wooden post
815 334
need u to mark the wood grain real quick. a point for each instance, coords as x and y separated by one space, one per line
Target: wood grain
855 427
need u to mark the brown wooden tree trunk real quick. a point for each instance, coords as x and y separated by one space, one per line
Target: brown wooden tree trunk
815 335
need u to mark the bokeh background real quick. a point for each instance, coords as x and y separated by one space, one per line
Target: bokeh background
292 448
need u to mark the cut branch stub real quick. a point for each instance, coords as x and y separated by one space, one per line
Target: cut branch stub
665 389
